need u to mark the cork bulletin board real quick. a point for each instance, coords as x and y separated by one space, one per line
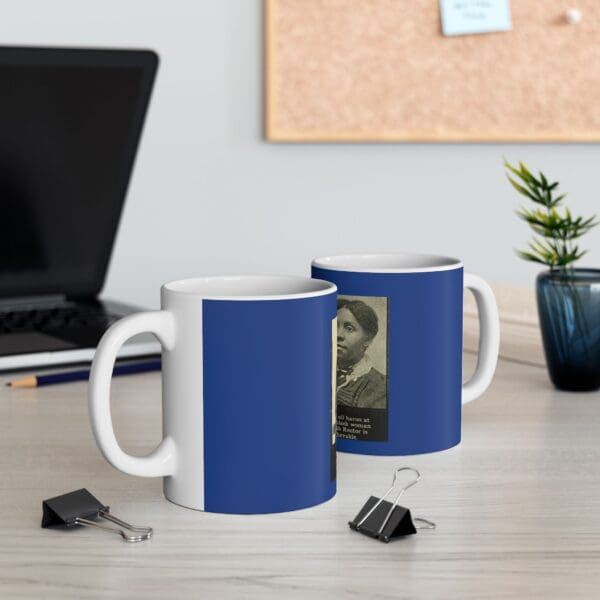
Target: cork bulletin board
381 70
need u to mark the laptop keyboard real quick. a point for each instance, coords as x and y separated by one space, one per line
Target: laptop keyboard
53 319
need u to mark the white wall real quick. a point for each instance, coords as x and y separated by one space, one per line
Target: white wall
210 196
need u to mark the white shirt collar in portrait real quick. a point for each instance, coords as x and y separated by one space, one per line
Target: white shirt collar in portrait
362 367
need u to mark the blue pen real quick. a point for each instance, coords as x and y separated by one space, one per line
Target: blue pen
82 375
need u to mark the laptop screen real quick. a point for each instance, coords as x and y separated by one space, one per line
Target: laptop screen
70 122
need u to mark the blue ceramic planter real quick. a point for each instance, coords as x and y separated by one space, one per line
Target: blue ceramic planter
569 310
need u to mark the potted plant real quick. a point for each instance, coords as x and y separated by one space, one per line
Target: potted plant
568 298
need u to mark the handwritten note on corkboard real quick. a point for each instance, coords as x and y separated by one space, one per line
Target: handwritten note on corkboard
381 70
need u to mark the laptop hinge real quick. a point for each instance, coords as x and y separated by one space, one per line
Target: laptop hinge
24 302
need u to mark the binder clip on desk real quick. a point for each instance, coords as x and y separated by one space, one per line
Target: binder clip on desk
384 520
82 508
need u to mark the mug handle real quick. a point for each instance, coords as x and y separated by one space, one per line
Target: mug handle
489 338
162 460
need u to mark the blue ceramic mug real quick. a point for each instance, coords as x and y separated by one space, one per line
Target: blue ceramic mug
248 368
399 350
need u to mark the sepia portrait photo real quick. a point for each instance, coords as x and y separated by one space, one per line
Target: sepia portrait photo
362 352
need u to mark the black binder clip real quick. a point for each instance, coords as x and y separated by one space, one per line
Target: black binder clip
383 520
81 508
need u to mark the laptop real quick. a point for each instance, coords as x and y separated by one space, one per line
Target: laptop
70 123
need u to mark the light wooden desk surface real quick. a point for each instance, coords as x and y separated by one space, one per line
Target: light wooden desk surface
517 506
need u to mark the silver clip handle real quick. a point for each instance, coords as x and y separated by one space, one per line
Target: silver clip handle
427 523
139 534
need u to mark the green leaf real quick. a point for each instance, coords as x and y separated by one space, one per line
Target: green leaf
526 174
523 174
556 201
591 222
524 191
531 257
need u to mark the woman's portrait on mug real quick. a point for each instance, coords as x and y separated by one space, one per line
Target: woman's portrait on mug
362 351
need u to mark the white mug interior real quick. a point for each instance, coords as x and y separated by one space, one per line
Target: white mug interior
404 262
251 287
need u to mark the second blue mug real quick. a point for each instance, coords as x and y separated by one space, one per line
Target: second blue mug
399 350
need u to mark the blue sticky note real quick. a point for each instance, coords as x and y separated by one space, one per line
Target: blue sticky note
461 17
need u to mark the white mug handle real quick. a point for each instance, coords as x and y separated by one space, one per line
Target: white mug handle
162 460
489 338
